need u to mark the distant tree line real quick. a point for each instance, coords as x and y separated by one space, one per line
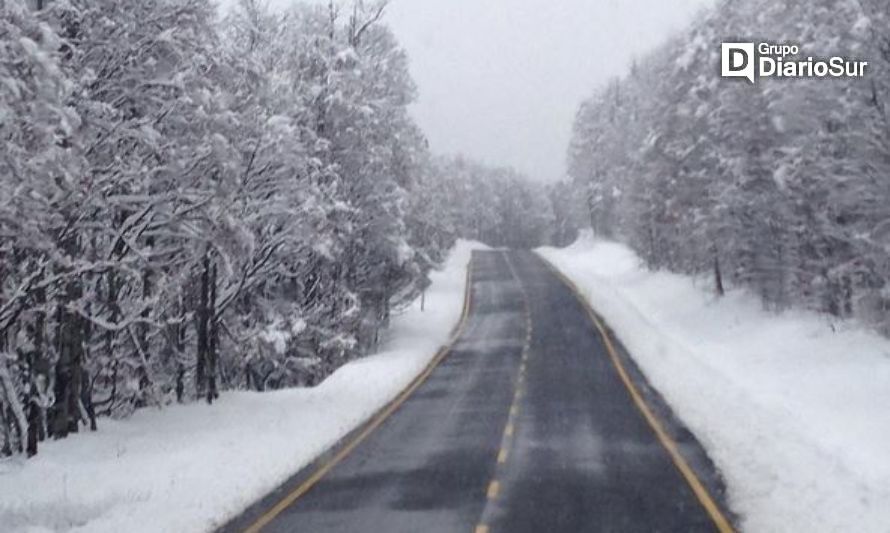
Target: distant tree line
190 204
495 205
782 187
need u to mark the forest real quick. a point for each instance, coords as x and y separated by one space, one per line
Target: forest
194 201
780 187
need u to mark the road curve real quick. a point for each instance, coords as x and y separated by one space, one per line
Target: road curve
527 425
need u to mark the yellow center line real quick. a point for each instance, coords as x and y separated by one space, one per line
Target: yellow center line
502 456
493 489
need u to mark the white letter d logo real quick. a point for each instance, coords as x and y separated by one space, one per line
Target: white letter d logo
738 60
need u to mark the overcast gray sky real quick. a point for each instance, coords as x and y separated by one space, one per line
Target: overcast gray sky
500 80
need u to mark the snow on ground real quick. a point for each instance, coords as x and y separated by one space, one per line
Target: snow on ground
794 413
189 468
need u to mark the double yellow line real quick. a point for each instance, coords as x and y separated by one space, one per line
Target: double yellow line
494 486
374 422
701 493
720 521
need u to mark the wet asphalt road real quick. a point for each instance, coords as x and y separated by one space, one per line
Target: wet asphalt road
524 427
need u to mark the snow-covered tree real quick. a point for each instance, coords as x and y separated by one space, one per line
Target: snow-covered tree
777 186
191 203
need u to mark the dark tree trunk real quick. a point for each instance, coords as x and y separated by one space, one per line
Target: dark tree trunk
39 368
66 412
203 320
7 426
847 295
212 355
180 383
142 327
34 422
177 335
70 329
718 277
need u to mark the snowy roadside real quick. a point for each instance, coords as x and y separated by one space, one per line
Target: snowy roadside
189 468
793 413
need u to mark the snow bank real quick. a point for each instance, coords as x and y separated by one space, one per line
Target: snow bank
189 468
793 410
